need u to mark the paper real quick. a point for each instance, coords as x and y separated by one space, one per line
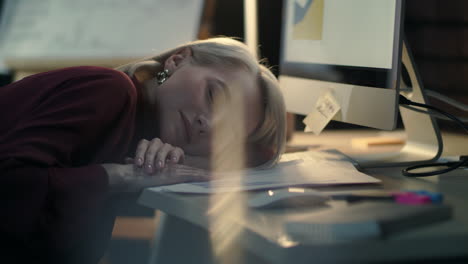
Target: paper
325 109
104 28
312 168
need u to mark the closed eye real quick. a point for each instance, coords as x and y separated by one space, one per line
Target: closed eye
216 90
211 94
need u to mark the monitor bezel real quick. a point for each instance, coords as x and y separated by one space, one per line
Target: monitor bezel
313 70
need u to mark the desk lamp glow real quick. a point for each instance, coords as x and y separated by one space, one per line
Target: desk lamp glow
354 49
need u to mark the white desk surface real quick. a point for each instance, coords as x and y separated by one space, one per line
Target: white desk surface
261 233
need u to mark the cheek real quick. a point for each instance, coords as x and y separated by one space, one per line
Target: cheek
170 97
180 92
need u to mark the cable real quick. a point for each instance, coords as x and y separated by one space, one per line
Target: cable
436 115
450 165
463 162
440 97
447 100
405 101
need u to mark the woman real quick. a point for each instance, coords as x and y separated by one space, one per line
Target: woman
65 134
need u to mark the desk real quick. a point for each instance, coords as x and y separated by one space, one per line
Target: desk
187 228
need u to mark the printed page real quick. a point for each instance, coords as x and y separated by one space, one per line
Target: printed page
311 168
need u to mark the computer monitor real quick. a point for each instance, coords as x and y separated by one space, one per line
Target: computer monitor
354 50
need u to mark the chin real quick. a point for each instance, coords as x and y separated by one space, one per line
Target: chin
165 137
170 139
169 133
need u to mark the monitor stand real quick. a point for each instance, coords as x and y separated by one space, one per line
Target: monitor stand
423 142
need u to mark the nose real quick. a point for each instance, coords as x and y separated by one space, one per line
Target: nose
202 124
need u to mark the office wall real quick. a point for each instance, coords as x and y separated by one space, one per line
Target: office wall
228 18
437 31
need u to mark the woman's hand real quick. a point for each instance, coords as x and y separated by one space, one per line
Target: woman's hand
154 155
129 178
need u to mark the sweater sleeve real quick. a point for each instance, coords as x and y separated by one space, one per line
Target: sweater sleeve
52 184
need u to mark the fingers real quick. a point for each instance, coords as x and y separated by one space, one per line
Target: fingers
151 164
154 155
140 152
176 155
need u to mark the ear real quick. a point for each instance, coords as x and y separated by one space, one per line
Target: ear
177 59
145 70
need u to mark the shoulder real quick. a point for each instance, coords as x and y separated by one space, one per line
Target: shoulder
83 74
96 79
94 73
98 89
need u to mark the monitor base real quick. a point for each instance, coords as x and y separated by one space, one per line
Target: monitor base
424 141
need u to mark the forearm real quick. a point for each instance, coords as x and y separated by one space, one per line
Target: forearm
130 178
119 178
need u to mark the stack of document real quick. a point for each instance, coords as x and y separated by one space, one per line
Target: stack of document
311 168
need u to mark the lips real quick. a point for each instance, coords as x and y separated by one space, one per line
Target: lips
187 127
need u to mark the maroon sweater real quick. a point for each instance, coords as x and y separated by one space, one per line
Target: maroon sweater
55 129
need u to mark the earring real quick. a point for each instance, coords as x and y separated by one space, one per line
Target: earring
162 76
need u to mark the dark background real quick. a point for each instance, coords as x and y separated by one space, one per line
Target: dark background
437 31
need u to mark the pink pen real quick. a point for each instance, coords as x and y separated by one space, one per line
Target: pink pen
411 198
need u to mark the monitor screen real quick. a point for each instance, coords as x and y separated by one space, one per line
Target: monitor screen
352 48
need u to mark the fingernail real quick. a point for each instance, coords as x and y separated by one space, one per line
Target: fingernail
160 164
174 159
149 168
139 161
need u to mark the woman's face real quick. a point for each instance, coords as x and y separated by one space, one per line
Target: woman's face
185 102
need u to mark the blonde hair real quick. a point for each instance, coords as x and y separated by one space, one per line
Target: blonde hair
269 138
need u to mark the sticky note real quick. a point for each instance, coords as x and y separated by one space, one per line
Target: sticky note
326 107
